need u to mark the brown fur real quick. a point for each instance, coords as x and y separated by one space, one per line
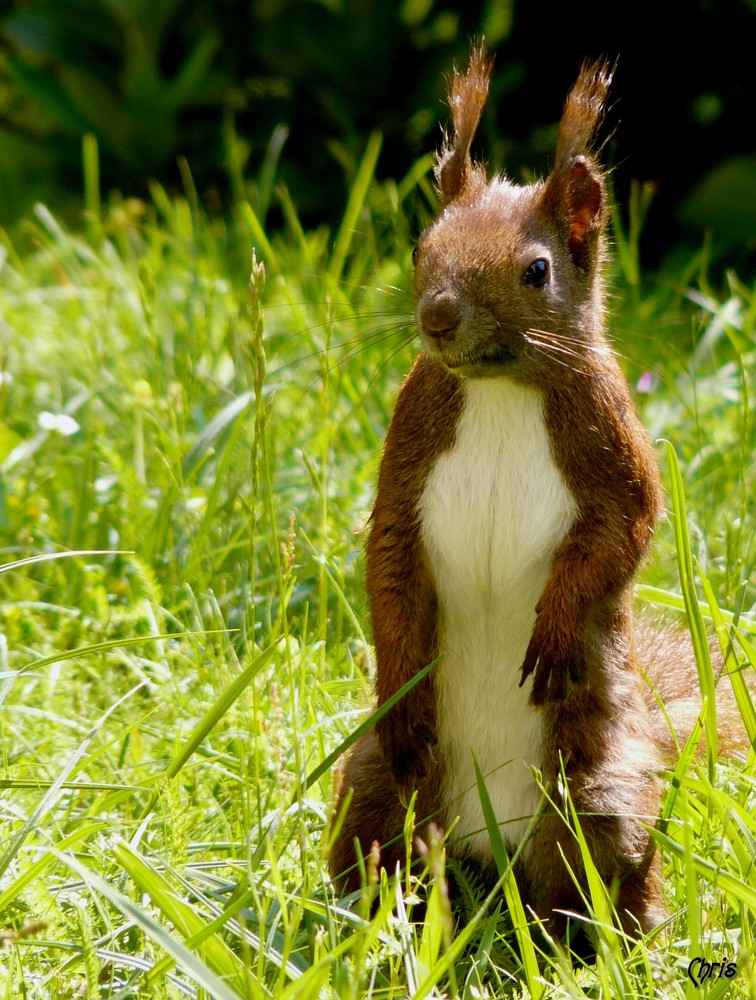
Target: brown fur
455 171
479 317
400 590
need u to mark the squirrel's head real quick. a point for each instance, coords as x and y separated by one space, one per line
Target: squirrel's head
506 267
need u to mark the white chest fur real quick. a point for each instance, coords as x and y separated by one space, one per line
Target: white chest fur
494 509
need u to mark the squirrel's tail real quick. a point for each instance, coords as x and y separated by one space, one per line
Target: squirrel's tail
674 694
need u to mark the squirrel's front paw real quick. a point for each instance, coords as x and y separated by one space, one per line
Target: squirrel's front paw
553 671
407 739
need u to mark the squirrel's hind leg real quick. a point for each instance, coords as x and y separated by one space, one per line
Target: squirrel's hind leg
620 846
375 814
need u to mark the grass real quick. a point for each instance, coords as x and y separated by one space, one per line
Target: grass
187 460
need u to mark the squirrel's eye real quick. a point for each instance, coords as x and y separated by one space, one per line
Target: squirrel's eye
538 273
415 251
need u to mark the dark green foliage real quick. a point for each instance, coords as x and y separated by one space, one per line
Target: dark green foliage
130 73
155 80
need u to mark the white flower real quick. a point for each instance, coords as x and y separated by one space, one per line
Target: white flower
60 422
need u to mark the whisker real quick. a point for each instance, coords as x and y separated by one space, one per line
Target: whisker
392 291
385 362
367 338
557 348
405 342
601 349
349 316
358 346
550 335
550 354
355 348
346 305
377 338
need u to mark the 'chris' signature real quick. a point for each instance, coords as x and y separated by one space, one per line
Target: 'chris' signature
700 971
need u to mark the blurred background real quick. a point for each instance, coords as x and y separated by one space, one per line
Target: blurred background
294 87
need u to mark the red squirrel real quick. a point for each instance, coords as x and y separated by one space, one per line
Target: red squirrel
517 497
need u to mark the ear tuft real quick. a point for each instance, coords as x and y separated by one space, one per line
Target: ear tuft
468 93
583 112
575 193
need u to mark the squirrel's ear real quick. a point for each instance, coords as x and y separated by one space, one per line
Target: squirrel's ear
576 198
575 193
455 172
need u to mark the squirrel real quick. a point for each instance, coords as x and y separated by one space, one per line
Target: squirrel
517 497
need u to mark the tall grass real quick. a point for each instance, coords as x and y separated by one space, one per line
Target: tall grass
187 459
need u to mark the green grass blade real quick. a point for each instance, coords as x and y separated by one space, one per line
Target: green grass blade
682 768
364 727
695 619
501 857
432 936
48 556
740 689
609 944
91 163
199 934
40 867
102 647
511 890
742 893
192 964
355 205
419 169
50 797
227 416
259 237
210 719
667 599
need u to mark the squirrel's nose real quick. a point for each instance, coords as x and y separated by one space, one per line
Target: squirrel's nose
439 317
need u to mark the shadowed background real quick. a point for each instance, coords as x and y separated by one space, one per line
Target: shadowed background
155 80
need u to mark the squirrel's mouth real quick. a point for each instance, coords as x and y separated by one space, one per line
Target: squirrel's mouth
472 363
